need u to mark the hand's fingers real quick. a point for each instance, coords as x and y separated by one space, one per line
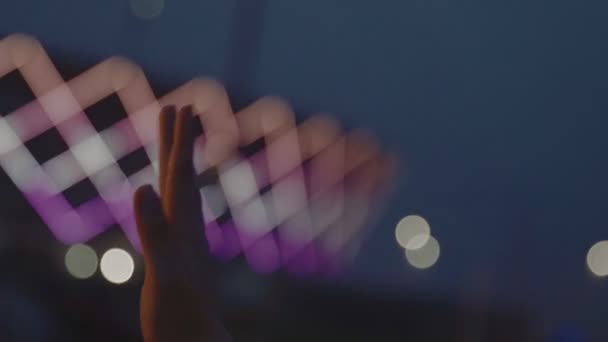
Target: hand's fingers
166 128
151 223
182 198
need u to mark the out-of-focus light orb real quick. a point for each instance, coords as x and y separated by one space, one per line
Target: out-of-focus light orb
412 226
597 259
81 261
147 9
117 266
426 256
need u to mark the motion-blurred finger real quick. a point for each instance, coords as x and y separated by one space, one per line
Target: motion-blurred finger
151 224
166 127
183 199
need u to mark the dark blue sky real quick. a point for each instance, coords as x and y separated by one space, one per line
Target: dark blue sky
497 109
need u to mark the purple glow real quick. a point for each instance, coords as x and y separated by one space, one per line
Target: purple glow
304 222
70 225
263 255
305 262
231 246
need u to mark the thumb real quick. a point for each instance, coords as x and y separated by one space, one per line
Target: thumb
151 223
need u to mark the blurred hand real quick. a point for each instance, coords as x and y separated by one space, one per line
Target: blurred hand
175 301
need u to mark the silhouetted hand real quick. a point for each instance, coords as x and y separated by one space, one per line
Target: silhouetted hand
175 303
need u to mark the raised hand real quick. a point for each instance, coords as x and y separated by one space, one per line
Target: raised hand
175 299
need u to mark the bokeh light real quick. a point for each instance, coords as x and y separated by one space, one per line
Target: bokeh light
147 9
597 259
81 261
117 266
426 256
412 226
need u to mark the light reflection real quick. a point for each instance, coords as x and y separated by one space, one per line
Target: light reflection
81 261
412 226
597 259
426 256
117 266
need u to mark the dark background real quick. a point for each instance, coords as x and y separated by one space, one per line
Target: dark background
496 109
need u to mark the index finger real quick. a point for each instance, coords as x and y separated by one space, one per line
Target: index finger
166 128
182 199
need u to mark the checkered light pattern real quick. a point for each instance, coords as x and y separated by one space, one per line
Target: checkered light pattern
319 181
